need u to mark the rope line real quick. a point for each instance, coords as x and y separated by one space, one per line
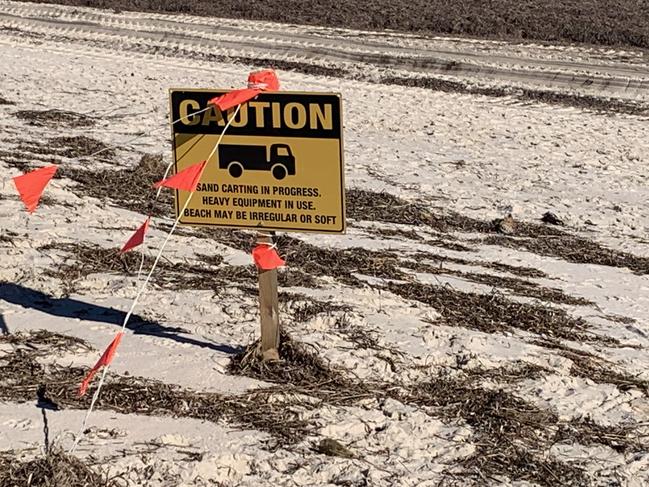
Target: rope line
145 134
80 435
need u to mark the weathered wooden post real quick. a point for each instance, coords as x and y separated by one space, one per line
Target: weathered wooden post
268 307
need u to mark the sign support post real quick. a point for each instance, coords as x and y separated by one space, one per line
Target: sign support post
268 307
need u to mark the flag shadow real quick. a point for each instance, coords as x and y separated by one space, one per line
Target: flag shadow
74 308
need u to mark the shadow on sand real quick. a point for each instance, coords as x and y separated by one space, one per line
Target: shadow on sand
74 308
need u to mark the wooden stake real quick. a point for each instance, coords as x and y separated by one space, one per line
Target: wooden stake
268 307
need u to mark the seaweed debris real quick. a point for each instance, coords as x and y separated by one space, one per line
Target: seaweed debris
55 118
55 469
129 188
493 313
21 378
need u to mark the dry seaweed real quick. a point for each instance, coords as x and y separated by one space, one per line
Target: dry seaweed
364 339
235 239
537 238
526 288
84 259
17 161
301 371
21 378
44 342
7 236
297 366
4 101
621 438
55 118
507 374
396 232
309 308
498 266
587 102
296 278
339 263
129 188
26 154
47 200
589 366
512 437
572 248
515 285
209 273
55 469
384 207
80 146
493 313
448 244
510 434
625 320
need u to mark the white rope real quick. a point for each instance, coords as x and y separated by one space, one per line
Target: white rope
145 134
209 106
95 396
171 163
138 136
147 279
139 271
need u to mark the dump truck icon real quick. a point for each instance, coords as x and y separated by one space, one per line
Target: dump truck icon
278 159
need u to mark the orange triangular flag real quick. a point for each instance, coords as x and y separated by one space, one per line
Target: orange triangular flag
258 81
30 186
266 257
105 359
187 179
264 80
137 238
234 98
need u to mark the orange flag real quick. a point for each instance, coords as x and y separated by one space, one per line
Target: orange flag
137 238
266 257
264 80
258 81
234 98
30 186
105 359
187 179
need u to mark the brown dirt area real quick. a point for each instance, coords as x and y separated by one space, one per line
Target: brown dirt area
614 22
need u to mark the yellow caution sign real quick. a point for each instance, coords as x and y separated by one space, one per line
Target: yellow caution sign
278 167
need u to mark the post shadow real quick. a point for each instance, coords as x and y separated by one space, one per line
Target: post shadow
74 308
4 329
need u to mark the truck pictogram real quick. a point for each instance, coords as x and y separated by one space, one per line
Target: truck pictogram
278 159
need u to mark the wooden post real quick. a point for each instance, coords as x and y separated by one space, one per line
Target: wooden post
268 307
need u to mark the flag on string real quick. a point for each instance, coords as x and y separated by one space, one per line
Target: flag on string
187 179
137 238
258 81
266 257
31 185
264 80
105 359
234 98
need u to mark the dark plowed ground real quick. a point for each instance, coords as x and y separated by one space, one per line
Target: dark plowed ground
605 22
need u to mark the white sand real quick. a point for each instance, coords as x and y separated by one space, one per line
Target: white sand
581 165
